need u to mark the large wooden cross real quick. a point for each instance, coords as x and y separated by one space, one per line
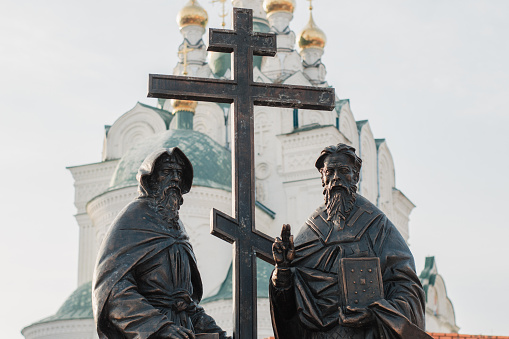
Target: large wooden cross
244 93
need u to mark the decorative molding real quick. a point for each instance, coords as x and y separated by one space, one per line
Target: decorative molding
300 150
319 136
62 329
139 122
91 180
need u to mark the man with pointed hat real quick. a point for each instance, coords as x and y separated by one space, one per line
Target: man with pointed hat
146 282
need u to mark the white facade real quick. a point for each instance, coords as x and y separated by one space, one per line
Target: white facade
287 143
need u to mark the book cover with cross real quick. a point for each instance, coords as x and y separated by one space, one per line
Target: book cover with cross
361 281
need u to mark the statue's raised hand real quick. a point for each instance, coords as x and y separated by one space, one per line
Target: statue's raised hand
283 249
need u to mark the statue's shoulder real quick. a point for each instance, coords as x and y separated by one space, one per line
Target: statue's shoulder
315 228
363 214
367 205
136 212
321 210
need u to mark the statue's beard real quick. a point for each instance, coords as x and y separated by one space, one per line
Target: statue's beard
339 202
168 203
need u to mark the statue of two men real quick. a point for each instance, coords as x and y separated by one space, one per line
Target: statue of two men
146 283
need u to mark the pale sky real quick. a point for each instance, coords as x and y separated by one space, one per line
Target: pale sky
432 77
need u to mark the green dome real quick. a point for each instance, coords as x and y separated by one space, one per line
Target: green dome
219 63
211 161
263 273
77 306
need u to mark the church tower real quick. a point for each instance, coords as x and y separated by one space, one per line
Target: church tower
287 61
312 42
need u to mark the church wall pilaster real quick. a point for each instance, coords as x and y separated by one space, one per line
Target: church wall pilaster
87 249
89 181
368 185
402 207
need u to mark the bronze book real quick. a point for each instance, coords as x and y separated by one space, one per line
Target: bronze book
207 336
361 282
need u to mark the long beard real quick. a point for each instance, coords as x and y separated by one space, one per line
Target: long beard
168 203
339 202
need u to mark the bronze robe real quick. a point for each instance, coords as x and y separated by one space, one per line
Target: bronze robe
309 309
147 278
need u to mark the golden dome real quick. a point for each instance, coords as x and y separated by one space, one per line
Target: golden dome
192 14
312 36
272 6
183 105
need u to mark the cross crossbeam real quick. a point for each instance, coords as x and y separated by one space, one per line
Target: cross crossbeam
244 93
226 91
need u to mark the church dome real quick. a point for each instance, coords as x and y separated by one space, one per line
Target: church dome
312 36
219 63
273 6
211 161
225 292
192 14
77 306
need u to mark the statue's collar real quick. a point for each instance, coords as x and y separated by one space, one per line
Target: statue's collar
359 219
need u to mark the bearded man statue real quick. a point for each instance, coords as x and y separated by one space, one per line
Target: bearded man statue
313 296
146 281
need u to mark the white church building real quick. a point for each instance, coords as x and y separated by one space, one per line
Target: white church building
288 187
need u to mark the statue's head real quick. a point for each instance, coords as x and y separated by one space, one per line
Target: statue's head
165 176
340 169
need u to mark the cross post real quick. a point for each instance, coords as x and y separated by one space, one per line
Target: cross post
244 93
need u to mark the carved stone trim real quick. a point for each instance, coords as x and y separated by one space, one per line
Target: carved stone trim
62 329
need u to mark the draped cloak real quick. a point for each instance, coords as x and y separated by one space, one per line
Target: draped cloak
309 309
134 296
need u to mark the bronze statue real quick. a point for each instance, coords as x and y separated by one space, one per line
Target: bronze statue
146 282
349 273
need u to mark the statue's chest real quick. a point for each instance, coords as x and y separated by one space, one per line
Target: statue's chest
328 259
165 271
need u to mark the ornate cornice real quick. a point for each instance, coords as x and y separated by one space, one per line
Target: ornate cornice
75 328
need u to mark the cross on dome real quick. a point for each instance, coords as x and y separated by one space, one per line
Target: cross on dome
184 52
224 13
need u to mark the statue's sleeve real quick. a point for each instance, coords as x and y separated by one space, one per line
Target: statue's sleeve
130 313
401 313
283 309
204 323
